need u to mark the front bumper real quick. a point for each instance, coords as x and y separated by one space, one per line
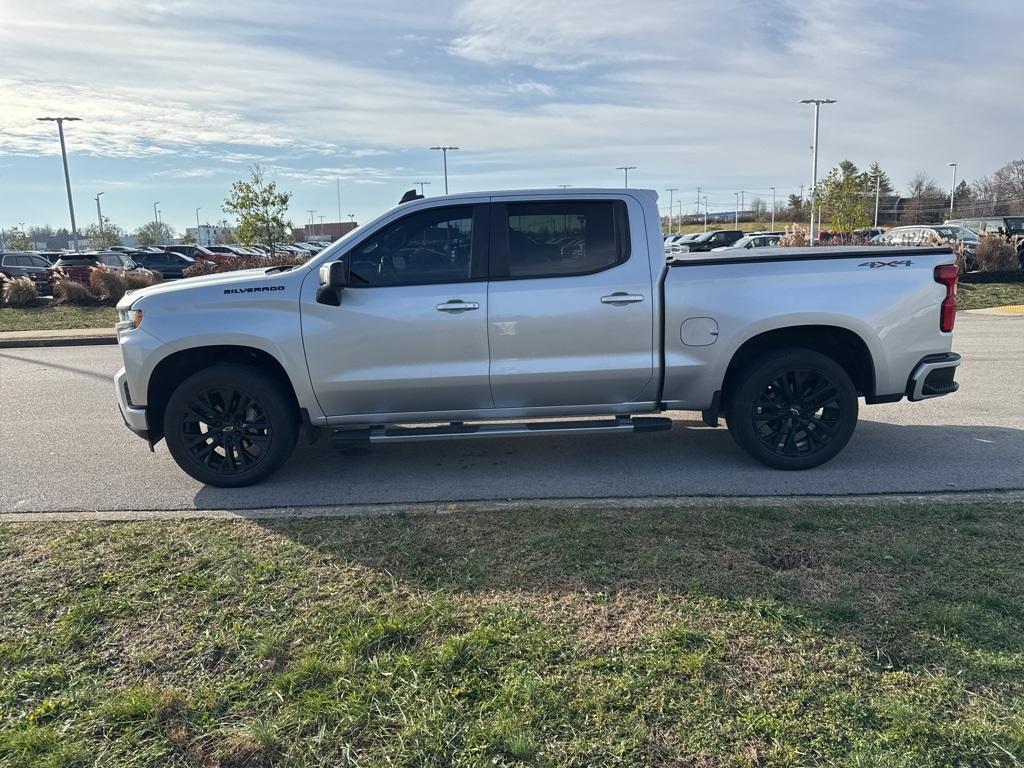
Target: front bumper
933 377
134 417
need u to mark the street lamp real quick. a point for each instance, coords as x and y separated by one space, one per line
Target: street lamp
736 213
199 236
444 153
814 156
773 209
952 189
422 185
67 177
671 219
156 213
705 213
99 214
625 170
878 193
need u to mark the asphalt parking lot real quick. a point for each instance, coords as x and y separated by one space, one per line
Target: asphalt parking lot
63 448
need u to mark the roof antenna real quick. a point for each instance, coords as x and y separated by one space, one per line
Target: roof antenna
409 196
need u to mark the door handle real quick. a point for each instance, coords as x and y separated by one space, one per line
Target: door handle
621 297
457 305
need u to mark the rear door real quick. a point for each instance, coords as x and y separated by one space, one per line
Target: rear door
571 310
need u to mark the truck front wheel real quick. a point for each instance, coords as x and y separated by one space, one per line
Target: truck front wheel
230 425
792 409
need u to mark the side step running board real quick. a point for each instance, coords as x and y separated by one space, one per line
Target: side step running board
458 430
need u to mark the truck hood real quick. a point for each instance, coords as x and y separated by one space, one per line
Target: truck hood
226 279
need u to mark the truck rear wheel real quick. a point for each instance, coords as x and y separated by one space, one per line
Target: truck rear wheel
793 409
230 425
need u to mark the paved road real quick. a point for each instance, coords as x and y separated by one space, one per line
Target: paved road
63 447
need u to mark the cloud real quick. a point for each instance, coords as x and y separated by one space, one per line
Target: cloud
536 92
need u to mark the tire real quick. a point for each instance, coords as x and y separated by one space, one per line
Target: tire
230 425
815 402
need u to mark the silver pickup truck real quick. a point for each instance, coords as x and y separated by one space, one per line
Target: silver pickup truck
529 313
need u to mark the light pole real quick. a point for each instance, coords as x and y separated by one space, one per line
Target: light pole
99 214
878 191
444 154
625 171
422 185
156 213
199 231
705 213
67 177
351 217
338 184
814 156
742 193
773 209
736 213
952 189
671 209
321 233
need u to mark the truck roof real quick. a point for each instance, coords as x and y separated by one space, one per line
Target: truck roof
547 192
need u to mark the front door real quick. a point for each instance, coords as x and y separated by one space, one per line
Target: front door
571 310
410 335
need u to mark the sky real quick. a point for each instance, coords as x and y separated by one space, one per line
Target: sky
178 98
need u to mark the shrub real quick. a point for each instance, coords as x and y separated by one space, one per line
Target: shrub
200 268
245 262
67 291
795 237
995 254
141 278
18 292
107 284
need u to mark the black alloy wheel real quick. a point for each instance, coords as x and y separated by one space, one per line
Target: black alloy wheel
230 425
797 413
793 409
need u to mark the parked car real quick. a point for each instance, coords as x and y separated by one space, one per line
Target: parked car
673 242
469 311
229 250
710 240
23 264
194 251
931 235
169 264
77 266
752 241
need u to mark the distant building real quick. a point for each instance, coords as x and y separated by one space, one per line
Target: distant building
329 231
211 234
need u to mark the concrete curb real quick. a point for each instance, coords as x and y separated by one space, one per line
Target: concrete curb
464 507
70 337
1007 310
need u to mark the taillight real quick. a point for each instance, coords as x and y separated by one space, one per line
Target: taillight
947 275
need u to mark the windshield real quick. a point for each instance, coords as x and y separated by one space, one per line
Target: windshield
1015 224
957 233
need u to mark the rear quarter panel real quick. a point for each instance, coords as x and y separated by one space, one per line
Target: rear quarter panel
893 309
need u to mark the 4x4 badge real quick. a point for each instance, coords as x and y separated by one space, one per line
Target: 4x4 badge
876 264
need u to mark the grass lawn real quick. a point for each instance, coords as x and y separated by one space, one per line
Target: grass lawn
56 318
984 295
884 636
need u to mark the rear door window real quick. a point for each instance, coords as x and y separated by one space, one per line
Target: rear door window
559 238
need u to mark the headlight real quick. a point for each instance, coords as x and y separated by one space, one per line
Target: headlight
128 319
684 249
